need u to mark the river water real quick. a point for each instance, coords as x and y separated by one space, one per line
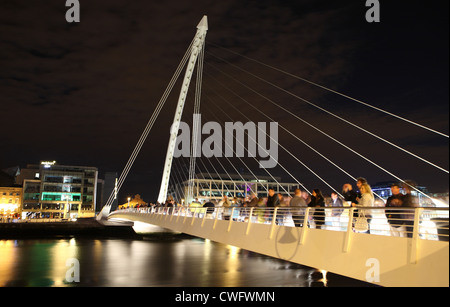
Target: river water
151 261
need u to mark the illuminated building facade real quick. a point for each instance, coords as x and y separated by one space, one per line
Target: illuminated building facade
214 187
58 191
134 202
10 203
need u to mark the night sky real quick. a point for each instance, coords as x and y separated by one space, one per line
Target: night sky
82 93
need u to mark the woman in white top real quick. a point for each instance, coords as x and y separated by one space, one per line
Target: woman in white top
367 200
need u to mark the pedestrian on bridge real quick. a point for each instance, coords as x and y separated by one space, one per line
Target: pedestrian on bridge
281 213
318 203
359 182
367 200
253 201
209 209
336 213
297 205
226 208
350 195
394 216
272 202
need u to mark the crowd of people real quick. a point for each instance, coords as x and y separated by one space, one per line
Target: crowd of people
401 221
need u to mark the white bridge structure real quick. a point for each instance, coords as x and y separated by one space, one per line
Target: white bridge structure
411 249
416 257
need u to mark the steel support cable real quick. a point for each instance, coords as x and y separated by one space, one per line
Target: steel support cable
291 154
226 171
281 147
156 113
246 164
332 91
246 101
178 183
181 170
195 123
215 170
229 174
332 138
204 166
237 172
183 177
210 177
149 125
257 160
334 115
217 187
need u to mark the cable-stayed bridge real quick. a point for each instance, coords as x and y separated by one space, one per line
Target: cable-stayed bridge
416 255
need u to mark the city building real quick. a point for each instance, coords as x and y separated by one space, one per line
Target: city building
134 202
215 186
10 196
10 203
58 191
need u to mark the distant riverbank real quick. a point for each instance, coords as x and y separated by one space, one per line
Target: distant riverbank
81 227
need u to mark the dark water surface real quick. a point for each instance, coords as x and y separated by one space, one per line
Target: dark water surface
154 261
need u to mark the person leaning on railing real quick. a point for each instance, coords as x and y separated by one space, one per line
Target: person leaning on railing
297 206
209 208
394 216
272 202
318 202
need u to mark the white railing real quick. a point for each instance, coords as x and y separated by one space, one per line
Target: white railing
425 223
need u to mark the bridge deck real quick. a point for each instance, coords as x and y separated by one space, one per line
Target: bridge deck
416 256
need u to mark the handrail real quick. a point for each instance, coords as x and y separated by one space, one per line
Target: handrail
432 224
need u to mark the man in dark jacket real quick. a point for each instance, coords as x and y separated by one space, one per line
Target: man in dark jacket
349 194
210 207
272 199
395 200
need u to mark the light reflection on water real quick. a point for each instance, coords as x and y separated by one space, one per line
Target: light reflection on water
177 261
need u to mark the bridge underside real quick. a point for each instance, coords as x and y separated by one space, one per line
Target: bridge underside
382 260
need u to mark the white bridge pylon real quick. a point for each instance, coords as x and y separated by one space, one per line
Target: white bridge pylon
197 47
